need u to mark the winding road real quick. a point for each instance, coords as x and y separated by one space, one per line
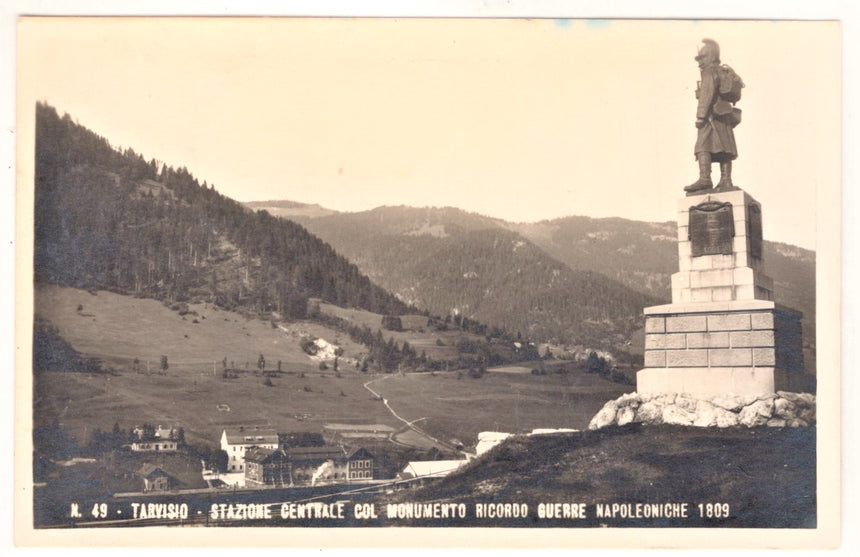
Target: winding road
411 423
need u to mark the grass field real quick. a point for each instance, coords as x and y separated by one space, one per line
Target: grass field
461 408
192 401
120 328
416 333
193 395
451 408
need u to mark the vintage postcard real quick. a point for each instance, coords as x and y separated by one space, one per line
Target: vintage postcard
466 282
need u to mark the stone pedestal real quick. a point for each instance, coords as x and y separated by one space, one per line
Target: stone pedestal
726 262
722 333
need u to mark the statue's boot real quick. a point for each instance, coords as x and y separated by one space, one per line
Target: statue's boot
704 182
725 183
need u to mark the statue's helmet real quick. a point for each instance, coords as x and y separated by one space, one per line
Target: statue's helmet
709 52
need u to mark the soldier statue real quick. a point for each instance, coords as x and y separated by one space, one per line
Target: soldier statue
717 91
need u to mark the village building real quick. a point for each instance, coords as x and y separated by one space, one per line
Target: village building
348 433
489 439
266 467
141 445
154 478
151 188
428 469
307 465
360 465
236 441
318 464
155 439
136 472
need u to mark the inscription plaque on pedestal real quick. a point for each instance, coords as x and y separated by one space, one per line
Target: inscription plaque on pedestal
711 229
754 230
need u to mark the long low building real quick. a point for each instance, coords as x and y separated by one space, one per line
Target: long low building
423 469
335 433
307 466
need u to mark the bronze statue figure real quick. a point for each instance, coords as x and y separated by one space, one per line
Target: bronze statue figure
716 117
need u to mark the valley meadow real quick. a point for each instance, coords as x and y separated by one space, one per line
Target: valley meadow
191 393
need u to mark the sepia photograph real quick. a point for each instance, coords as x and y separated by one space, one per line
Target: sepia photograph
549 281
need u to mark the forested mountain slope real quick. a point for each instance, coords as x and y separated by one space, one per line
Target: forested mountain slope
448 260
110 219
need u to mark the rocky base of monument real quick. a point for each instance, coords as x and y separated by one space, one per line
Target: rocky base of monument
782 409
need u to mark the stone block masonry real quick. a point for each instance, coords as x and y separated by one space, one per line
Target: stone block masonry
726 336
745 348
686 323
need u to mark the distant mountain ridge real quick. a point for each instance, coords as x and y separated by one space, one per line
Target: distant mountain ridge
448 260
638 254
289 209
387 243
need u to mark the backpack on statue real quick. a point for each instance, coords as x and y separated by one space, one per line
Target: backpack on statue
730 84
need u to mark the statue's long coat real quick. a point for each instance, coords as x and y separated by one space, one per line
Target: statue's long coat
715 137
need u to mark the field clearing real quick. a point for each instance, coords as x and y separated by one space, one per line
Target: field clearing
120 328
363 317
518 369
202 404
419 340
83 402
411 438
461 408
354 316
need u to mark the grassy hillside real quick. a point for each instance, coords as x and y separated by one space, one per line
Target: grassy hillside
766 476
119 328
438 345
193 394
200 403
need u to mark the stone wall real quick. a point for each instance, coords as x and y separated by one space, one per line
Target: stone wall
782 409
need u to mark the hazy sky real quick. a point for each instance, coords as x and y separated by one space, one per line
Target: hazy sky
519 119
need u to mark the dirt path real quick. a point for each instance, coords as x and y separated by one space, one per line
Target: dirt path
411 424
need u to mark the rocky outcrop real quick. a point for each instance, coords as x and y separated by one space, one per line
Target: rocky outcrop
782 409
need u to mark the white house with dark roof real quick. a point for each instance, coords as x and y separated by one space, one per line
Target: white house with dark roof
155 439
235 441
